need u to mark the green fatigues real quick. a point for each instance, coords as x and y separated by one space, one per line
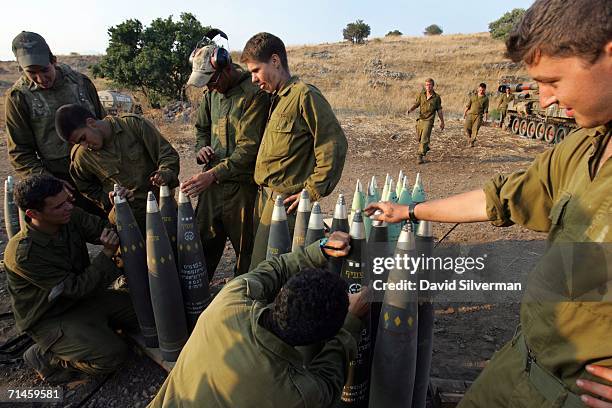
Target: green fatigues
128 157
558 194
502 107
77 325
478 106
303 146
33 144
232 124
427 114
231 360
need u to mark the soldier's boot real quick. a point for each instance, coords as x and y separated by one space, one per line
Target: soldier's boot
49 368
420 159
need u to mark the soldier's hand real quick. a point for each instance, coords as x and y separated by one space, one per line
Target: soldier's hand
292 201
110 240
391 212
441 125
157 179
198 183
205 155
123 193
338 244
359 302
603 391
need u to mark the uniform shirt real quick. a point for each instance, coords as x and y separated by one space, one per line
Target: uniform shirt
36 262
233 124
134 150
232 361
427 107
303 145
478 105
33 144
504 101
563 319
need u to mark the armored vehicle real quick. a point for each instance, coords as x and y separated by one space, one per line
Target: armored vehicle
116 102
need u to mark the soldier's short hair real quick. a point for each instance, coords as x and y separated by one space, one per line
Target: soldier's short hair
31 192
69 118
558 28
431 81
482 85
261 47
310 307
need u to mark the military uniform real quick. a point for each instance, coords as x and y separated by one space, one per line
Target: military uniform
129 156
77 326
566 314
303 146
245 364
33 144
502 107
427 114
477 106
232 124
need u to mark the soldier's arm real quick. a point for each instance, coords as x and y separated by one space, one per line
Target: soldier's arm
162 152
417 103
91 226
92 94
248 138
21 144
330 145
86 182
202 125
486 110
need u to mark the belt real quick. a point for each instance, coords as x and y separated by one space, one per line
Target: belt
549 386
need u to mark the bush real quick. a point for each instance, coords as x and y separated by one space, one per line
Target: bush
394 33
356 32
501 27
433 29
155 59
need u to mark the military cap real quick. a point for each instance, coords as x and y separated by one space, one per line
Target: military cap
31 49
202 68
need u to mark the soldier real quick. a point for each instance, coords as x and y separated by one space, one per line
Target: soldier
566 192
127 150
44 86
477 106
248 336
230 122
60 297
502 106
303 145
428 102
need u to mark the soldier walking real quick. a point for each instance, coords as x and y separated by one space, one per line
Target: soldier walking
477 106
428 102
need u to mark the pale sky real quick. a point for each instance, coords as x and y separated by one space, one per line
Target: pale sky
81 26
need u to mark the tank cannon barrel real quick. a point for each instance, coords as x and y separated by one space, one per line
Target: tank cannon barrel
530 86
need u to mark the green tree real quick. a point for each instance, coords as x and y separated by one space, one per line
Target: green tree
155 59
501 27
394 33
356 32
433 29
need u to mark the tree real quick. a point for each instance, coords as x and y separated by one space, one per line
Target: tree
155 59
501 27
394 33
433 29
356 32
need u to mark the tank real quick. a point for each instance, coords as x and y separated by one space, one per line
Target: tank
526 118
116 102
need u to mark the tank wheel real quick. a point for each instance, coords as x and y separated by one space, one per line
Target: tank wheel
540 130
523 127
549 133
560 134
515 125
531 129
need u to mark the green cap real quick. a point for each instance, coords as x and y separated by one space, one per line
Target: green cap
31 49
202 69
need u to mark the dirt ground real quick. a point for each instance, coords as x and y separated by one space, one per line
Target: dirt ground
466 335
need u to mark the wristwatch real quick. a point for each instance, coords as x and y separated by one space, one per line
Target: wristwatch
411 215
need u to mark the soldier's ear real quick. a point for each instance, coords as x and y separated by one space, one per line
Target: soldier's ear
33 214
90 122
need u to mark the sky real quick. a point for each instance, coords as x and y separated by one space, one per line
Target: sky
81 26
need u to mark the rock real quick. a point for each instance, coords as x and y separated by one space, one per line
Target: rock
153 389
488 338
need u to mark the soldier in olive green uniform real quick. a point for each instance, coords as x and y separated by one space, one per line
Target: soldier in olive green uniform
33 144
566 313
502 106
477 106
127 150
303 146
428 102
230 122
243 349
60 297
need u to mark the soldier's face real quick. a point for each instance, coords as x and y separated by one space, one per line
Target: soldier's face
584 89
429 87
57 210
266 74
44 77
481 91
90 136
